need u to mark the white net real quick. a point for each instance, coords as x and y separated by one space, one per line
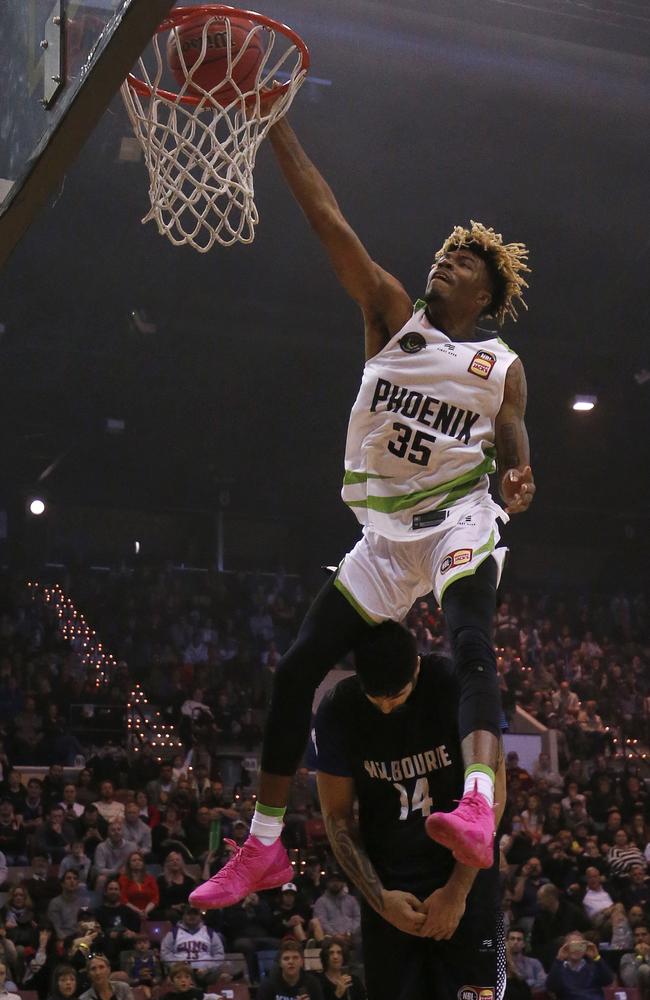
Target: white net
201 155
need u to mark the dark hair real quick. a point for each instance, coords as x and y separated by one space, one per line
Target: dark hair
325 953
62 970
289 944
386 659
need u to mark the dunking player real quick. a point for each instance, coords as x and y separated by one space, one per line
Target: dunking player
437 405
389 737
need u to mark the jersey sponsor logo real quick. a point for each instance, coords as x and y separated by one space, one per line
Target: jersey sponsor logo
475 993
460 557
414 765
412 342
450 420
482 364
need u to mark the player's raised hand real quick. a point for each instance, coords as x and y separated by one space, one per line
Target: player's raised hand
443 909
402 910
518 489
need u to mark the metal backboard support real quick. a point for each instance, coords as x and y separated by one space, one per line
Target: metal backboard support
63 60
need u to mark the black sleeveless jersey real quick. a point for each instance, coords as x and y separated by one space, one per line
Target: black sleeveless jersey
405 765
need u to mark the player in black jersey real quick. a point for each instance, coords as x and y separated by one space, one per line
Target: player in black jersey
389 737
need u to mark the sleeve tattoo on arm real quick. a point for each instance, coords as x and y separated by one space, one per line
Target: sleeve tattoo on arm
510 453
354 861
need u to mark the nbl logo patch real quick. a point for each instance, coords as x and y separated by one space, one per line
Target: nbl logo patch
475 993
460 557
411 343
482 364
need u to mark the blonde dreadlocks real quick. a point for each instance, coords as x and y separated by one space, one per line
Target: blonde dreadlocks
508 261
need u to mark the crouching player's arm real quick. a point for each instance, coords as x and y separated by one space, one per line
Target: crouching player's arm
445 907
401 909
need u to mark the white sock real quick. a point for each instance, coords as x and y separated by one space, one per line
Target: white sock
267 828
477 778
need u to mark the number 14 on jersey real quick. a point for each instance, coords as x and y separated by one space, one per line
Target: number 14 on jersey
421 800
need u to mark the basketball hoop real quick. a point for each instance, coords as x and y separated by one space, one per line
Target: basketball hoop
200 144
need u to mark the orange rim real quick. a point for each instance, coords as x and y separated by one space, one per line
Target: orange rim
182 14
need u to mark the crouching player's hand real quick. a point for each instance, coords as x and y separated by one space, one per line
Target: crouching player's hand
443 911
402 910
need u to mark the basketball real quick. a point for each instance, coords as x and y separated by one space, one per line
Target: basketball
212 69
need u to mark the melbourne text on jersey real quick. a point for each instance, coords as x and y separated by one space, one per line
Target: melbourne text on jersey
445 417
409 767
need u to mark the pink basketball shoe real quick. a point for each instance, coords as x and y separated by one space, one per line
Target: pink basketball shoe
254 867
468 831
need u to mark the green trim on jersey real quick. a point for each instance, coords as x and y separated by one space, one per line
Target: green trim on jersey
351 478
507 346
489 546
355 604
419 304
454 488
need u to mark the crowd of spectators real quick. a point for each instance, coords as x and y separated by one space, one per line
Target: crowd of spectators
99 853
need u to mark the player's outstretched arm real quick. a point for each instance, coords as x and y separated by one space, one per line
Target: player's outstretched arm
337 802
516 483
386 305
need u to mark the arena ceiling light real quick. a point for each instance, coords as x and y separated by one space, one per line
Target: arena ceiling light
36 506
582 403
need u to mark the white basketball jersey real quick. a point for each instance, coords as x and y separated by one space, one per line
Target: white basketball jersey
193 946
421 432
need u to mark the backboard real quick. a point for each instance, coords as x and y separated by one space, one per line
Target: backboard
62 61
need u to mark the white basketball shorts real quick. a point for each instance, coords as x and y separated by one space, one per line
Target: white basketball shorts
382 578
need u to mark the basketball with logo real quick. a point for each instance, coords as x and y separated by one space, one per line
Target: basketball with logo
207 48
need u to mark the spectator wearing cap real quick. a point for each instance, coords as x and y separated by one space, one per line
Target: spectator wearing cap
311 884
634 970
240 831
338 912
527 968
193 942
290 978
292 917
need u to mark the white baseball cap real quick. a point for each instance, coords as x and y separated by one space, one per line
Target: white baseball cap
289 887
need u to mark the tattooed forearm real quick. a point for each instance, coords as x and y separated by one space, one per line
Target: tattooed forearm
354 861
507 447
